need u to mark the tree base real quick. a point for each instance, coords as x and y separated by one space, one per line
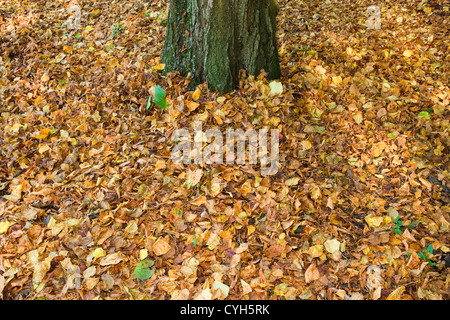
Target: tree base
213 40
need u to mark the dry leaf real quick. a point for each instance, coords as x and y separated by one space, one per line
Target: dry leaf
160 247
113 258
396 294
312 273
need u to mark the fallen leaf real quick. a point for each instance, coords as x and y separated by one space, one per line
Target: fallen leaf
113 258
312 273
4 226
332 245
396 294
160 247
276 88
196 94
408 53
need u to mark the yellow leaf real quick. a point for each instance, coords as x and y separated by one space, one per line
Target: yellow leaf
43 134
160 66
40 269
358 117
196 94
408 53
445 249
396 294
374 221
275 121
224 289
315 251
16 127
332 245
131 227
215 188
63 133
89 28
251 229
315 192
99 252
292 181
45 78
4 226
427 10
59 58
336 80
43 147
143 253
16 190
306 144
213 241
276 87
204 295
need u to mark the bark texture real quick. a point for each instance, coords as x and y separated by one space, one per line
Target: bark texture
214 39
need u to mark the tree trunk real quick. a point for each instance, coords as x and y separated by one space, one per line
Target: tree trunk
214 39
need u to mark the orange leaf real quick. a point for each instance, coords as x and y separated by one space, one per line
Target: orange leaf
199 201
312 273
43 134
396 294
196 94
274 251
160 247
192 105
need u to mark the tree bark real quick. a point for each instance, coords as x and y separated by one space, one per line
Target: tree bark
214 39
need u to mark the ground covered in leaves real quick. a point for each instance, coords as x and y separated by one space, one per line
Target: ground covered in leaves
92 207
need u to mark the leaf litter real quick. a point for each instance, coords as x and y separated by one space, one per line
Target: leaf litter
92 207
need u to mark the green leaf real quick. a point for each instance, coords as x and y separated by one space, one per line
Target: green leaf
143 271
413 225
160 97
188 183
149 103
319 129
425 115
397 231
430 249
195 241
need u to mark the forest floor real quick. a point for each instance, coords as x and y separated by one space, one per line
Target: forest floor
92 206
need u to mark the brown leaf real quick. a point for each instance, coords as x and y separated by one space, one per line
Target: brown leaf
274 250
312 273
113 258
160 247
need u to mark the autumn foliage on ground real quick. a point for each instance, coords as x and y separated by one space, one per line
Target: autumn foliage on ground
92 206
